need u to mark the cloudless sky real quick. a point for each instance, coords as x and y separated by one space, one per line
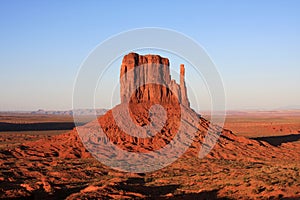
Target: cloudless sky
254 44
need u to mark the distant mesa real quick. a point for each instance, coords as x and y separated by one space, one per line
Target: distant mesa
70 112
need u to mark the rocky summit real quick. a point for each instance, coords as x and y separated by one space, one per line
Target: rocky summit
146 78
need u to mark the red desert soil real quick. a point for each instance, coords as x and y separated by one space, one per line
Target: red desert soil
59 167
264 123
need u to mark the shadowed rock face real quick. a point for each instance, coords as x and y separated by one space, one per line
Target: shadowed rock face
147 79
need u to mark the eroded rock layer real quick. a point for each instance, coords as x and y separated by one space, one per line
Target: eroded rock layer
147 79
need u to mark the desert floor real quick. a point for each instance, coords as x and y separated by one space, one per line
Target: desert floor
32 177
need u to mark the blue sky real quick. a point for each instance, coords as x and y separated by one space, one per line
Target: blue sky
254 44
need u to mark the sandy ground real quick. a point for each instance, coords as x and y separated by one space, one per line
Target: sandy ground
32 165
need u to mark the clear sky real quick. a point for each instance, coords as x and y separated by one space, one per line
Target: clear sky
254 44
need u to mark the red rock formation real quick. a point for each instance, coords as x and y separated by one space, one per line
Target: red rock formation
184 97
147 79
247 167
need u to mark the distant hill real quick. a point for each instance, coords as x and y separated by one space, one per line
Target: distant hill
70 112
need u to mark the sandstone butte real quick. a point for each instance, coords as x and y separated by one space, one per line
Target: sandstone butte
229 148
155 69
229 145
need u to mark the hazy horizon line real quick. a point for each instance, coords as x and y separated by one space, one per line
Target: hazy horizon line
287 108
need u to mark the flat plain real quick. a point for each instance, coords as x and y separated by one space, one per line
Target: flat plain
226 173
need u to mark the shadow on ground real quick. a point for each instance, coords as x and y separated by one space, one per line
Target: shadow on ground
278 140
37 126
137 185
